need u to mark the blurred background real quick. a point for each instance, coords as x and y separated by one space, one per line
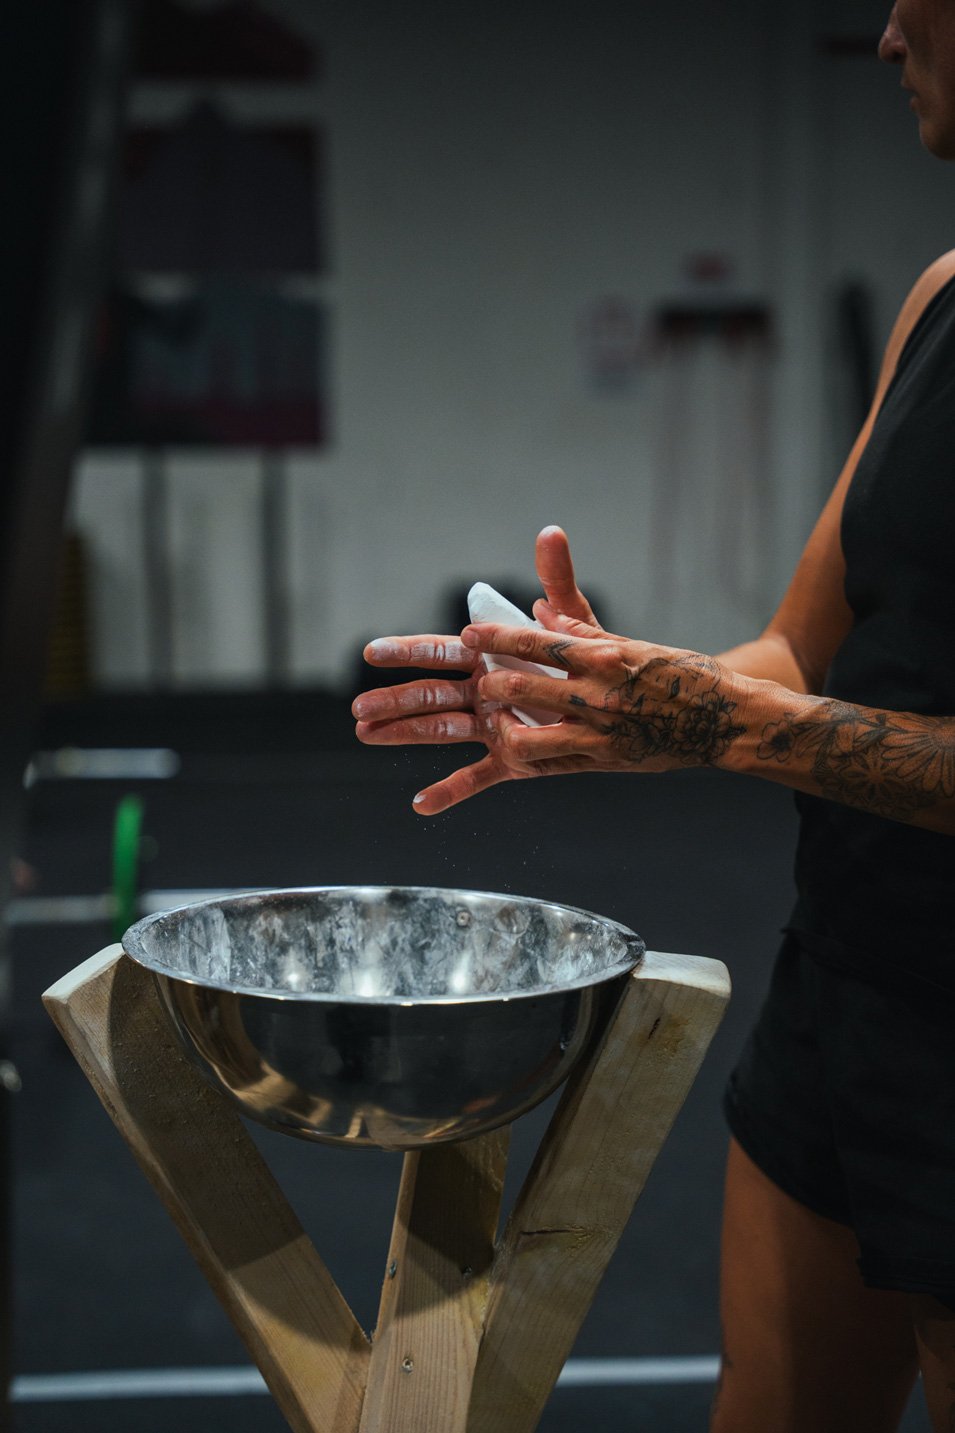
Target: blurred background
317 313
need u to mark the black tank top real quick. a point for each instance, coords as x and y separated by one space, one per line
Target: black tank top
874 892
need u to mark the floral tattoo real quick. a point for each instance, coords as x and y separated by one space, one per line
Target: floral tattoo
891 763
649 721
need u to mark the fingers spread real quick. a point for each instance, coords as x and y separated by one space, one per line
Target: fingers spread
544 744
556 572
426 651
530 644
425 730
412 699
556 621
531 692
459 786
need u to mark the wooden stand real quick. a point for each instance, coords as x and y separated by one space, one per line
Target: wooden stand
471 1334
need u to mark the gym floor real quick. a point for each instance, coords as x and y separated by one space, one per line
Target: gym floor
275 792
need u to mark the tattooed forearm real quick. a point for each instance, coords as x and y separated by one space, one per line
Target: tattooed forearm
673 707
891 763
894 764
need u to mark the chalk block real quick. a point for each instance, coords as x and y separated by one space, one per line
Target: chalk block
487 605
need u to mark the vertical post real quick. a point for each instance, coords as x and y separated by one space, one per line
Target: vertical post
275 568
435 1290
155 510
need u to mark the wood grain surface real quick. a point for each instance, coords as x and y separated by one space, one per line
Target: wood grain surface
207 1171
592 1164
435 1290
469 1339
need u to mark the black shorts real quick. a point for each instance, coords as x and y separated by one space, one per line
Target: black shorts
845 1097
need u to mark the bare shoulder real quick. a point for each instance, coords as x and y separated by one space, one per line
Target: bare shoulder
940 272
935 277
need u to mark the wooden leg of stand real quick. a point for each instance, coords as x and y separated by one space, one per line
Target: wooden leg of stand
591 1166
208 1173
435 1291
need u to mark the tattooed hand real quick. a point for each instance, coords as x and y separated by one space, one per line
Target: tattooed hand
441 710
627 706
632 706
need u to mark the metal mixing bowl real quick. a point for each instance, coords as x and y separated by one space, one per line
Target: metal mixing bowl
397 1016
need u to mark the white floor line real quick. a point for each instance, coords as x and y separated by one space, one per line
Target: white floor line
222 1382
135 1383
580 1372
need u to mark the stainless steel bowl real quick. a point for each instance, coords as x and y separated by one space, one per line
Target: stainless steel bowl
397 1016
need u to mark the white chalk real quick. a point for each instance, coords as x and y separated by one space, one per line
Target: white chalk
487 605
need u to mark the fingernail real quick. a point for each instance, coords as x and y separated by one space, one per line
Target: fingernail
417 800
382 647
469 637
359 708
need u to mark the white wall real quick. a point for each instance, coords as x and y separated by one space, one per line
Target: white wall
499 168
495 169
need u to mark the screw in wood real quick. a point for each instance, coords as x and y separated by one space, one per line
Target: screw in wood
392 1268
407 1363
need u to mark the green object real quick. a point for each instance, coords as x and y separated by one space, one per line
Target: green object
127 836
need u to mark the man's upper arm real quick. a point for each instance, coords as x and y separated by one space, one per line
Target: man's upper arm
814 616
